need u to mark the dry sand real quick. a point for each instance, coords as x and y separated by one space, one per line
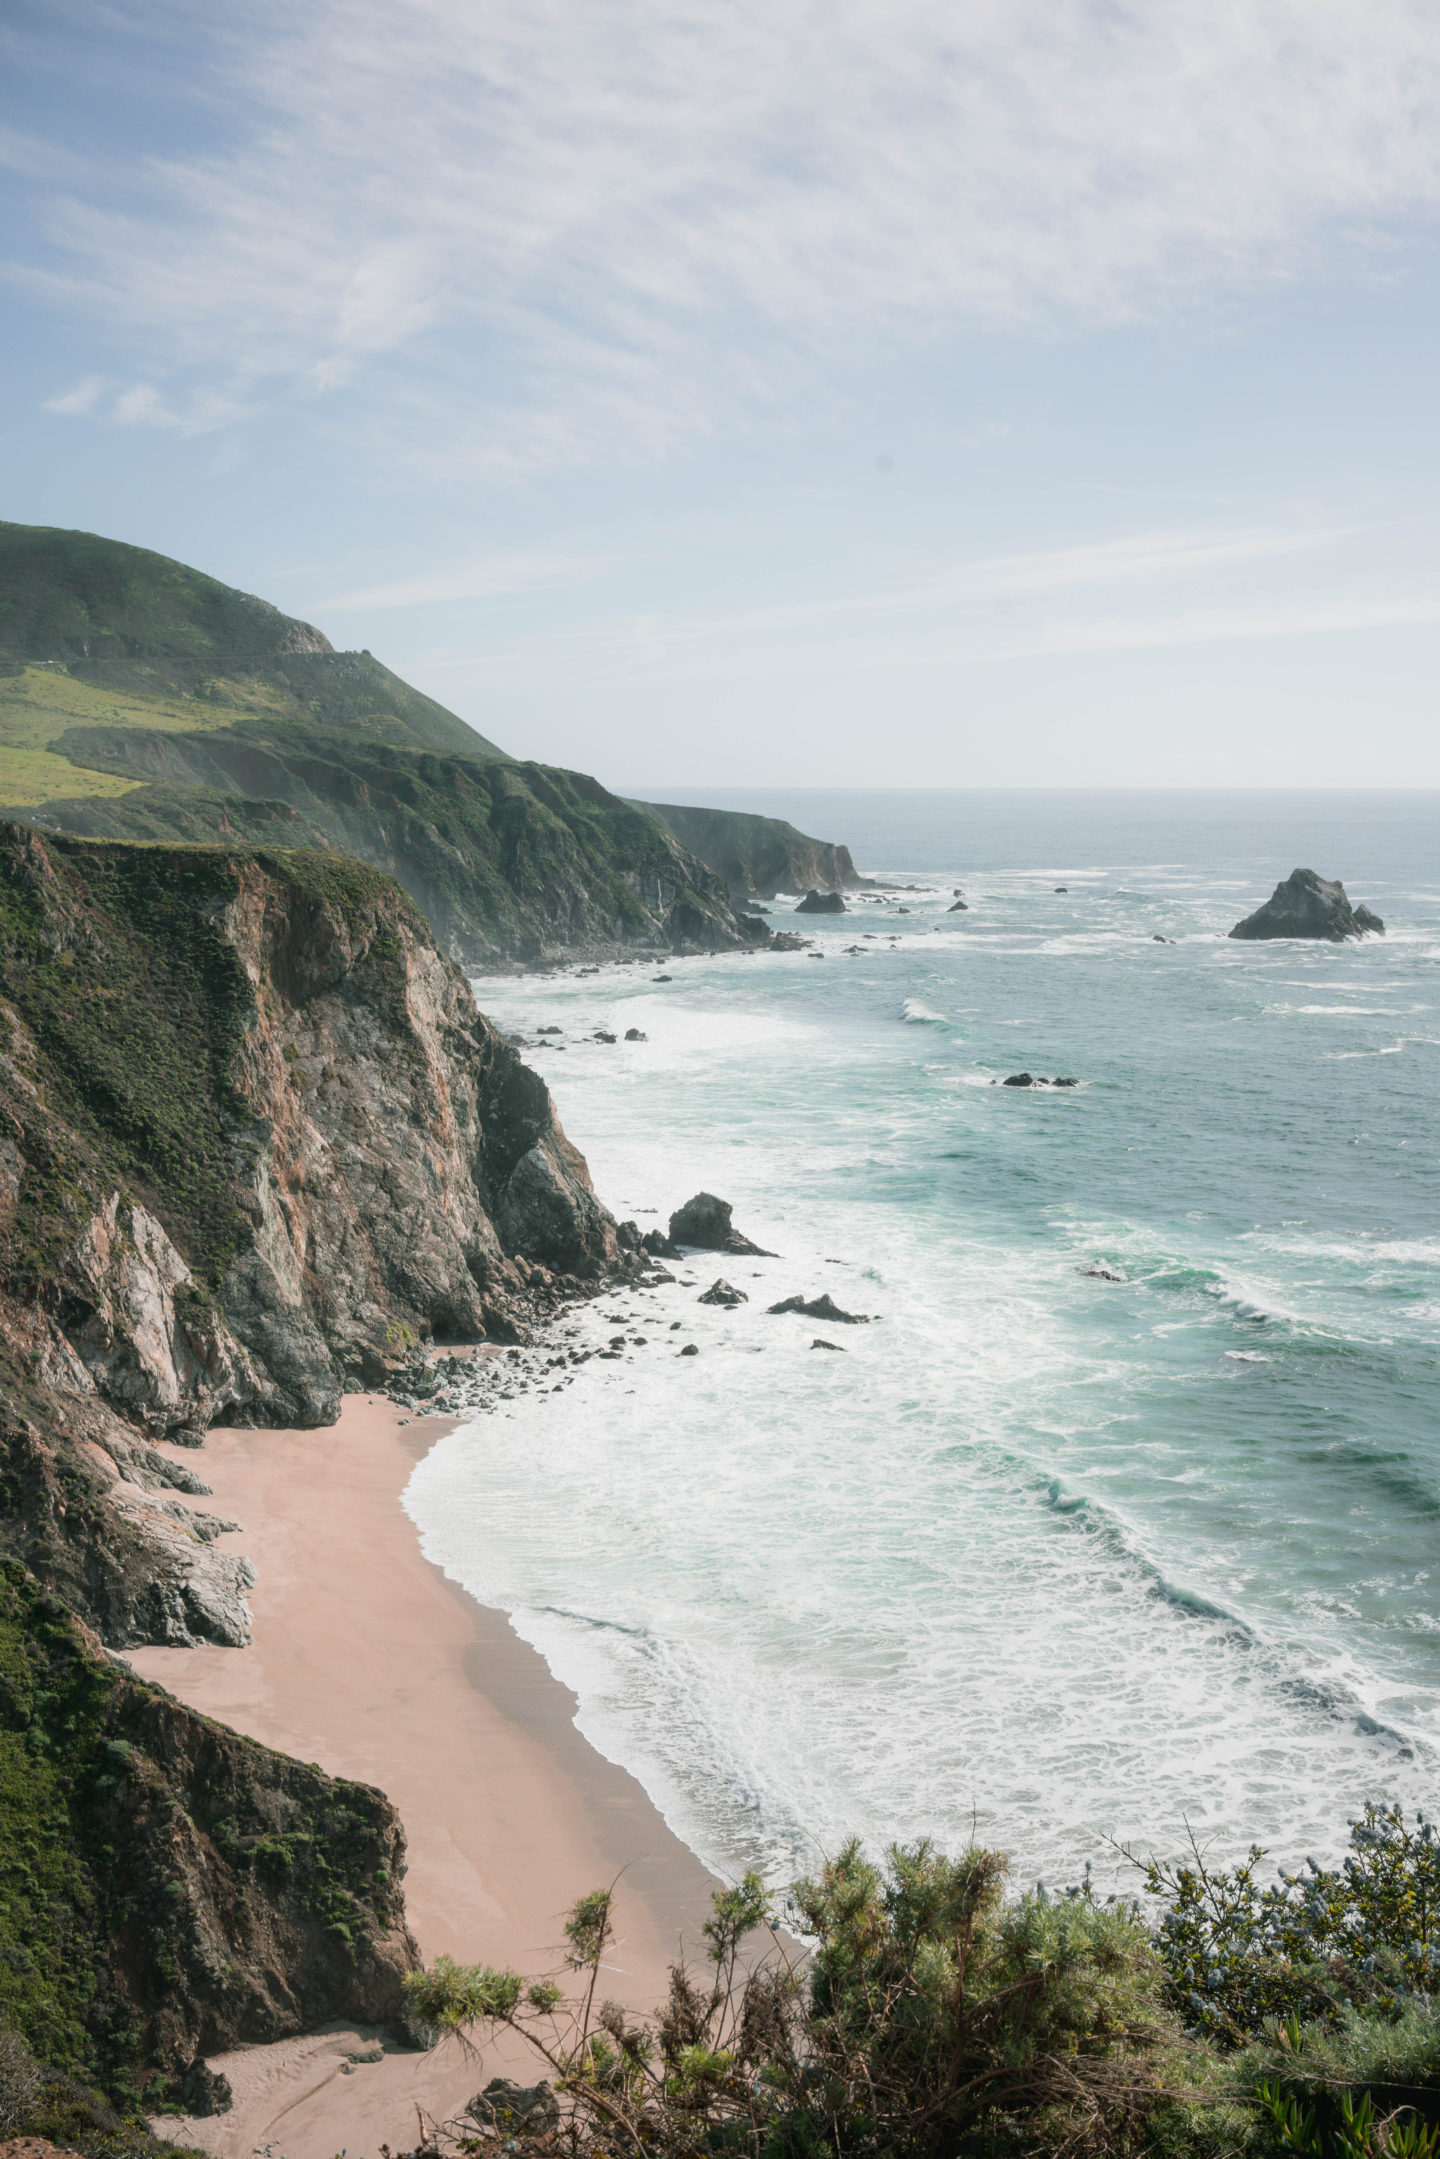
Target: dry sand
367 1660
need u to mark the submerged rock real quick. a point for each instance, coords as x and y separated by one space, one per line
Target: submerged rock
822 903
1306 905
705 1221
1100 1272
823 1307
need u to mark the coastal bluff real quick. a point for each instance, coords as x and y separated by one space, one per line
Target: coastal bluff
257 1142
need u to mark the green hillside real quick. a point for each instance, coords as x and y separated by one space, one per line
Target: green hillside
142 700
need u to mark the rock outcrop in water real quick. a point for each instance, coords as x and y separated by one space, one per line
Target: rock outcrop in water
705 1222
1306 905
254 1140
824 903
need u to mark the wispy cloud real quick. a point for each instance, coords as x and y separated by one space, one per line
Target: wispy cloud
564 231
78 402
501 577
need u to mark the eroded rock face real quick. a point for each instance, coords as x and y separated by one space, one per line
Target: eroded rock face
255 1139
1306 905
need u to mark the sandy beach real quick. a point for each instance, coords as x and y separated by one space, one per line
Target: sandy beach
367 1660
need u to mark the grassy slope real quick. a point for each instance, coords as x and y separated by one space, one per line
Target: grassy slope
141 700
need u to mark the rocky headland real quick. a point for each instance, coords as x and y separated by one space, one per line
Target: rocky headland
1306 905
143 700
257 1145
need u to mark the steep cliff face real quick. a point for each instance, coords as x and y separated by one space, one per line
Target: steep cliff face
759 856
511 863
255 1139
169 1888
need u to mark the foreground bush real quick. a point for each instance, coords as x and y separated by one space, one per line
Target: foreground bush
931 2017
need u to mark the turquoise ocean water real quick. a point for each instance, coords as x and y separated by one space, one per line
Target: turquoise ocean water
1051 1559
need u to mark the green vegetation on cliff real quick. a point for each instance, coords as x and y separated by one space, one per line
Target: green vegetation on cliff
142 700
759 856
167 1887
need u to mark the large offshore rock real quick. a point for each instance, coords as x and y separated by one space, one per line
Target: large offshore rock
705 1222
822 903
1307 905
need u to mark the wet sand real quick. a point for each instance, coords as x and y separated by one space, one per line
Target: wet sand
368 1661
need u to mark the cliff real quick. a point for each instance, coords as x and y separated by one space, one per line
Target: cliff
255 1139
167 1888
142 700
759 856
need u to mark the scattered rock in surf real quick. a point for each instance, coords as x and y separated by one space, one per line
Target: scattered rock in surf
958 890
663 978
814 955
820 1343
1157 939
722 1292
822 1307
705 1221
1065 1083
633 1034
1101 1273
549 1030
960 908
691 1349
1062 888
1305 905
658 1245
822 903
1017 1079
788 941
601 1036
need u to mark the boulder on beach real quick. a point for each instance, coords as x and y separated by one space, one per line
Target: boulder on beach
705 1221
723 1292
822 903
1306 905
823 1307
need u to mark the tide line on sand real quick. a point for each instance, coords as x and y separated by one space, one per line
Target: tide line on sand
367 1660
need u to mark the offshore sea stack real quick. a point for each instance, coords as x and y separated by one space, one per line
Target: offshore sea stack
1307 905
822 903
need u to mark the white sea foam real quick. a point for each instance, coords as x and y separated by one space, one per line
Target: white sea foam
1059 1557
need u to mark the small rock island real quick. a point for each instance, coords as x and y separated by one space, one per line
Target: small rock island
1306 905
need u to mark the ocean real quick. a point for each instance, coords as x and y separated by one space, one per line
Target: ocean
1070 1564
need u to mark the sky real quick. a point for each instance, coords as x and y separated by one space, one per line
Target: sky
728 392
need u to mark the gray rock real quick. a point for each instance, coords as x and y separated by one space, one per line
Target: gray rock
515 2109
1018 1079
822 903
704 1221
722 1292
820 1343
1305 905
691 1349
633 1034
961 907
823 1307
